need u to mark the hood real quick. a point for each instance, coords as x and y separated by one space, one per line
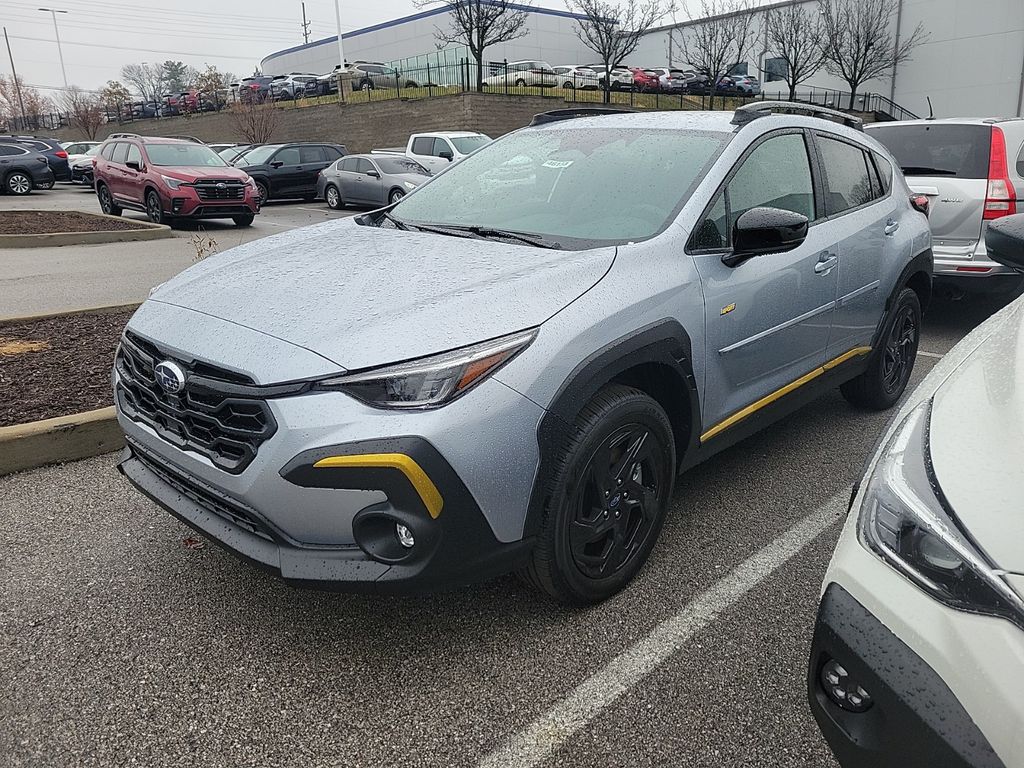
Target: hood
362 296
189 173
977 447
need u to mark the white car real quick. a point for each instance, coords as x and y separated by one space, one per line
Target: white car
570 76
78 149
520 74
918 652
621 77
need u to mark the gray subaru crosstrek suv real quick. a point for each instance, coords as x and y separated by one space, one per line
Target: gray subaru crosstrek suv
506 370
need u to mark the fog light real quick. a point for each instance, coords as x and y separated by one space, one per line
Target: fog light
405 537
842 689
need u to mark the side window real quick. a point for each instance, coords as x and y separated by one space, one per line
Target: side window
134 154
365 166
333 153
885 171
8 151
288 156
120 153
440 145
422 145
349 164
712 232
1020 162
847 182
313 153
107 152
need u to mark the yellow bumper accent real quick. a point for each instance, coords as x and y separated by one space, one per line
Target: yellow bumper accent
782 392
414 472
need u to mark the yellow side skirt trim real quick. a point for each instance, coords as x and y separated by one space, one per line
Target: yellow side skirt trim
780 393
407 466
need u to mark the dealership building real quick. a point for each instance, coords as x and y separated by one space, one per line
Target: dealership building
971 64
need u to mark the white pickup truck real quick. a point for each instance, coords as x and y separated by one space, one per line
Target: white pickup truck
435 150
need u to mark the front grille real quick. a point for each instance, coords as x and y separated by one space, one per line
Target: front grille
229 509
216 414
225 189
215 211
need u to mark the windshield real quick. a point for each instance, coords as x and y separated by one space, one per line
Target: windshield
608 184
400 165
258 156
467 144
94 150
183 155
938 149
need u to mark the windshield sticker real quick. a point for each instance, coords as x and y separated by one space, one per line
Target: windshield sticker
557 163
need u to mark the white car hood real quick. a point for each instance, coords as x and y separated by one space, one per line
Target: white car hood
977 442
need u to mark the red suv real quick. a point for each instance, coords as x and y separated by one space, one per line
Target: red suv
645 80
172 179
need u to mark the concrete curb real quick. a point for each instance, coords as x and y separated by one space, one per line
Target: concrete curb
144 231
106 310
53 441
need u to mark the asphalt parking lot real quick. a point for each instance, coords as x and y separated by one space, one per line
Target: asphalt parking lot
126 640
41 280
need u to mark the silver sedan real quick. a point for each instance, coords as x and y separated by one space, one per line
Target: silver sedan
369 180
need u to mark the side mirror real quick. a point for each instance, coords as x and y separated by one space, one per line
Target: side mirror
1004 241
276 164
374 174
134 165
765 230
446 154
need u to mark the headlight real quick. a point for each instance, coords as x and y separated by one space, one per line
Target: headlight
251 183
409 185
906 521
431 381
172 183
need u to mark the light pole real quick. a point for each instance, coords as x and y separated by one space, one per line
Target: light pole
341 52
56 33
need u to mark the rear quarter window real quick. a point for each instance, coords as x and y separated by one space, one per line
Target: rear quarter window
959 151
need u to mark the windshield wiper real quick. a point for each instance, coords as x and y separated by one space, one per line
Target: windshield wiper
396 221
924 170
489 233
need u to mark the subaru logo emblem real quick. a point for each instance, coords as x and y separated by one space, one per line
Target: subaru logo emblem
221 185
169 376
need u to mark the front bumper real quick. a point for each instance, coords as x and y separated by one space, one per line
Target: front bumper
915 720
452 549
185 203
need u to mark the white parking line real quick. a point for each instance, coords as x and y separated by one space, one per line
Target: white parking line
539 740
936 355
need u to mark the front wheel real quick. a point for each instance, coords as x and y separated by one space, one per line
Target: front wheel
569 85
890 366
333 198
520 83
155 208
395 196
243 221
608 498
262 192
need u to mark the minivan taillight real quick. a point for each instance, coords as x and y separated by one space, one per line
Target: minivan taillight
1001 197
920 203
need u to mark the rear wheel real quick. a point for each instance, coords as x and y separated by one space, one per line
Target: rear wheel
520 83
18 183
569 85
46 185
107 204
890 366
243 221
607 498
333 197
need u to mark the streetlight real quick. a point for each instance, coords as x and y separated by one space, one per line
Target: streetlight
60 53
341 53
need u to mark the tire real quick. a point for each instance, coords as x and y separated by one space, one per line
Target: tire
332 195
155 208
395 196
243 221
594 538
263 191
520 83
883 383
18 183
107 204
569 85
411 84
366 85
46 185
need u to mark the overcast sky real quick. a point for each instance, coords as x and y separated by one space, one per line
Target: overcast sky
99 36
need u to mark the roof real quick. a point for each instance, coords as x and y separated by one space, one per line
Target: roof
718 121
333 39
948 121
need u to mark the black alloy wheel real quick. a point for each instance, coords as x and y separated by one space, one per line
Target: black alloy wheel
155 208
616 502
900 350
262 192
107 204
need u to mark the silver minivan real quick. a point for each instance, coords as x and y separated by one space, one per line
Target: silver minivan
970 169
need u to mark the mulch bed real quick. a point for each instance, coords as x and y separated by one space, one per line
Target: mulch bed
58 366
47 222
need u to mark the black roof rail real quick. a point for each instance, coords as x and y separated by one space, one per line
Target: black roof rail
754 110
568 114
123 136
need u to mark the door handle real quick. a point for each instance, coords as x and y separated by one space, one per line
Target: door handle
825 263
891 227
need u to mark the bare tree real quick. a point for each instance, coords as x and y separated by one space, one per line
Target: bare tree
13 95
479 24
613 30
147 79
796 35
83 109
719 40
859 40
254 122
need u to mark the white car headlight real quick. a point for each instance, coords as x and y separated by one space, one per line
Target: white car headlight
906 521
173 183
431 381
409 185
